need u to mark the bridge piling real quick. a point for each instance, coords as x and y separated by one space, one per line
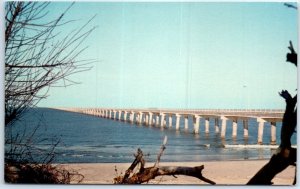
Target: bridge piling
234 128
162 120
146 119
196 124
110 114
245 125
260 132
170 120
186 122
125 116
157 120
223 126
177 121
273 133
132 117
217 129
150 118
120 114
206 125
140 120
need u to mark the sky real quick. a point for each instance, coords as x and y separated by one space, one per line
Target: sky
182 55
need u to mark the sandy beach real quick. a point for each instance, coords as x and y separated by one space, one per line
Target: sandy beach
221 172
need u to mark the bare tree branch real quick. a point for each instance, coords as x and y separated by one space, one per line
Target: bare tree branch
37 56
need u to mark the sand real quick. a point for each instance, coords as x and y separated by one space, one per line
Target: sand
222 172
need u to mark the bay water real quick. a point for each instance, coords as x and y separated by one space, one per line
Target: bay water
89 139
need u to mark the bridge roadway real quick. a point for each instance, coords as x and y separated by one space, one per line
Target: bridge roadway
158 117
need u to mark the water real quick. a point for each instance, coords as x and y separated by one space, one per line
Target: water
89 139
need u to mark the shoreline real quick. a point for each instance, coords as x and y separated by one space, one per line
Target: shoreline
229 172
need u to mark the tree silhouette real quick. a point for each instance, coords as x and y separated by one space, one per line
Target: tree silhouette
38 55
286 155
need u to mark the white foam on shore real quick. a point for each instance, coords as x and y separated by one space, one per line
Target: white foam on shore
253 146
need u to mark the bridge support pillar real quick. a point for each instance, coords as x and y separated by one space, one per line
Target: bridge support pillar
115 114
137 119
177 121
217 129
260 132
125 116
150 118
196 124
245 124
186 122
146 119
132 117
273 133
223 126
170 120
120 114
110 114
157 120
206 125
140 120
234 128
162 120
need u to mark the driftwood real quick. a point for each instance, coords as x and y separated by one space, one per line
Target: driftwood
146 174
286 155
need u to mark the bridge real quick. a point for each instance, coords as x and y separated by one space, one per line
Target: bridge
158 117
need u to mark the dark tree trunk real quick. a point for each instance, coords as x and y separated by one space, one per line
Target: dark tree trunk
285 155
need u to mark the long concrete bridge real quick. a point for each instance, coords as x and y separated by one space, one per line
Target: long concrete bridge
158 117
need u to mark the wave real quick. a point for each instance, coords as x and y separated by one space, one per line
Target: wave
77 155
255 146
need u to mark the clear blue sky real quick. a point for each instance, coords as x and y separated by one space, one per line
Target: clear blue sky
183 55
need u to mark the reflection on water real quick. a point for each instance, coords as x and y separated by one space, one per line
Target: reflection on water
234 141
196 136
207 135
245 140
